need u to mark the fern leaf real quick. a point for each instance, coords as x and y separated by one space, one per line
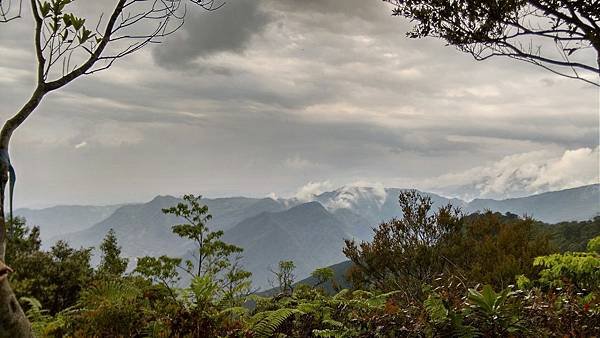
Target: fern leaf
327 333
272 321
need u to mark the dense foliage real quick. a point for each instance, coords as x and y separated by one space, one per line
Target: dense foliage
409 253
493 249
483 275
406 252
55 277
573 236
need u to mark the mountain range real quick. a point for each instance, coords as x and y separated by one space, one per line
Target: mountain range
307 234
63 219
308 231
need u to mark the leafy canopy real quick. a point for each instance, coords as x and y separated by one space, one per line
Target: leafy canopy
553 34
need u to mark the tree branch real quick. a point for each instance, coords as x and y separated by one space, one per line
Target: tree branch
5 11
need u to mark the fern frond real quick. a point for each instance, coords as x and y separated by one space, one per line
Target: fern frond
341 294
109 292
272 321
333 323
380 300
35 312
327 333
362 294
311 308
238 311
435 308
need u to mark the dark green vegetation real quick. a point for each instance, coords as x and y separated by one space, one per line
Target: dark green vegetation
429 273
574 236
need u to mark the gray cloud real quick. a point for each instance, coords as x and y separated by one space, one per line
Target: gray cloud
350 8
265 96
228 29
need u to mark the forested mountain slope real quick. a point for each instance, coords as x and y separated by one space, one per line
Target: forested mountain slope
309 232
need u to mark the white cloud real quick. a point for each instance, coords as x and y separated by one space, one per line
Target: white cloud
81 145
343 200
575 168
346 196
522 174
377 189
311 189
351 194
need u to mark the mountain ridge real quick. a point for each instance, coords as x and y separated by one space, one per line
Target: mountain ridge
307 234
268 229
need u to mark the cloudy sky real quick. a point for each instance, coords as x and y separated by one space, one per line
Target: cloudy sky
265 97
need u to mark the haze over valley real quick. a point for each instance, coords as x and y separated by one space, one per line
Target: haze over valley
307 229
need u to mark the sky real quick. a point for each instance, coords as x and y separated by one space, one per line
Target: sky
267 98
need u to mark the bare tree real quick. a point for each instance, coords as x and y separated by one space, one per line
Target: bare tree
66 48
10 10
517 29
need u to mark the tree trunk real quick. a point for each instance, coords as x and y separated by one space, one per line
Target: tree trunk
13 322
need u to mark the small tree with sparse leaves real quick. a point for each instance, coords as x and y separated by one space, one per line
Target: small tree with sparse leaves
323 275
212 254
216 262
284 277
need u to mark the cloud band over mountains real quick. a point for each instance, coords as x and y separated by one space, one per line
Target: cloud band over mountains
522 174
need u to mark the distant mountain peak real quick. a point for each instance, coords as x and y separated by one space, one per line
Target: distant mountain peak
161 199
307 206
590 189
348 197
